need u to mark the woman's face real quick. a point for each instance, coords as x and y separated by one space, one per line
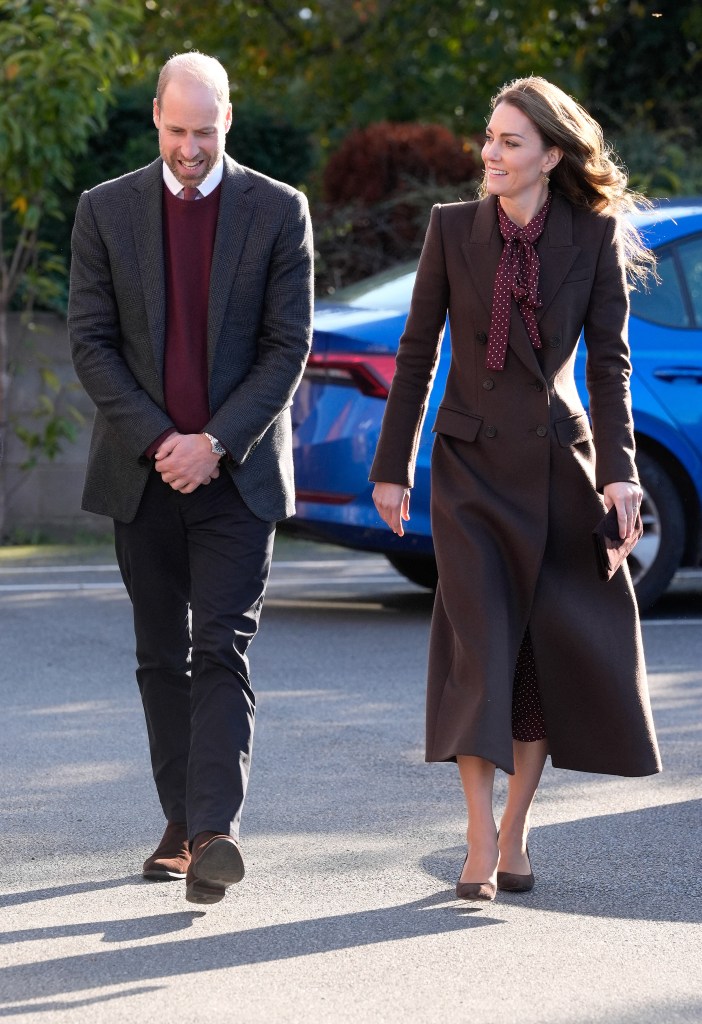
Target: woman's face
515 157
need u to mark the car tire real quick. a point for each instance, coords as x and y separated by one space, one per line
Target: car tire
657 556
419 569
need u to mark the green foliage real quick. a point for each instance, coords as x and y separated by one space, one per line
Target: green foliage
343 64
646 63
660 163
55 419
271 143
57 63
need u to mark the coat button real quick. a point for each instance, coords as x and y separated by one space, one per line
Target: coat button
554 342
481 337
542 431
491 431
488 383
537 385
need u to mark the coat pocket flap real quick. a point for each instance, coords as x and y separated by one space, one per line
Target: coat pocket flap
457 424
574 430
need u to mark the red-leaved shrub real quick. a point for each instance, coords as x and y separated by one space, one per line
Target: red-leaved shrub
376 162
379 188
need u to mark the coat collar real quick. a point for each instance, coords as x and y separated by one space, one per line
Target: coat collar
235 211
483 248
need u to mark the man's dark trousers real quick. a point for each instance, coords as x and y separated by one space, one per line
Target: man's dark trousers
208 553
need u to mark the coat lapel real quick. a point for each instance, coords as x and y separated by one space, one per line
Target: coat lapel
556 251
482 250
147 225
235 212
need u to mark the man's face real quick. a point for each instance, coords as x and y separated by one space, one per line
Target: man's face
191 129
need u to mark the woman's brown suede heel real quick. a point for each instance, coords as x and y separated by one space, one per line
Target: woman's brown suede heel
509 882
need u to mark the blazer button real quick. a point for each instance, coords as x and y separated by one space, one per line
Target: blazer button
538 385
481 337
542 431
554 342
491 431
488 383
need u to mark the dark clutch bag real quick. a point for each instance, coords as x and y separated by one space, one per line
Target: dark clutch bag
610 549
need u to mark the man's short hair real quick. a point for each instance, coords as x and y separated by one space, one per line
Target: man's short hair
199 66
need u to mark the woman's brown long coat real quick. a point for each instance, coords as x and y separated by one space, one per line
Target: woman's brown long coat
515 494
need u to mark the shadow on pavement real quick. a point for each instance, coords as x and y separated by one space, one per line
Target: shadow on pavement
63 975
59 1006
113 931
642 865
17 899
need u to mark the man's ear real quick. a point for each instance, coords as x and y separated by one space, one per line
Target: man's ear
156 114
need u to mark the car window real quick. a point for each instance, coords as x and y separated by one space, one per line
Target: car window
690 253
391 289
663 303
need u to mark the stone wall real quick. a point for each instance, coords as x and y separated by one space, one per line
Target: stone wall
45 500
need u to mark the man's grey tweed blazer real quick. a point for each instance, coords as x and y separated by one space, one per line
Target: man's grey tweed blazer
259 332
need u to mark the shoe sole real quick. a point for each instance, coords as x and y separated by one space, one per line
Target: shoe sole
162 875
218 867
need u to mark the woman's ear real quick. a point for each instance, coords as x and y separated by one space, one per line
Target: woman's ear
553 156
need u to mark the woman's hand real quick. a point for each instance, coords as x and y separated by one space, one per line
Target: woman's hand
627 497
392 503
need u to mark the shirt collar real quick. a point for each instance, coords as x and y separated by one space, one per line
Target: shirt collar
208 185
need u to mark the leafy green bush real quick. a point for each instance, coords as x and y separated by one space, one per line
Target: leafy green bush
272 144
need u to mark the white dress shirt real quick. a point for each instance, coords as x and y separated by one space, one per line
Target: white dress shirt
208 185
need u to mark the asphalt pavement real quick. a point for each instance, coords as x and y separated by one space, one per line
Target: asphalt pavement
352 844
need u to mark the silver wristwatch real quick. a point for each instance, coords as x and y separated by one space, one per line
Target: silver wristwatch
217 446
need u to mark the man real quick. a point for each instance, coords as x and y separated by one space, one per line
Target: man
190 325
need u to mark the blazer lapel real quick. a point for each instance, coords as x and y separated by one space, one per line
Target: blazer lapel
147 224
235 212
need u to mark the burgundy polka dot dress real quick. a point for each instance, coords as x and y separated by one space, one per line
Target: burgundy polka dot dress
527 716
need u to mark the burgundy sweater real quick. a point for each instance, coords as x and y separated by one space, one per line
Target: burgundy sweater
188 241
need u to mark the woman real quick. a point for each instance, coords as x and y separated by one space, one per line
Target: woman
530 653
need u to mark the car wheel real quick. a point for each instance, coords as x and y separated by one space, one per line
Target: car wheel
656 558
419 569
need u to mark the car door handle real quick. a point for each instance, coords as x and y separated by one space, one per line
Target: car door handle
683 374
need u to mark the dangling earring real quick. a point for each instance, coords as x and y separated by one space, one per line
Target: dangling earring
545 179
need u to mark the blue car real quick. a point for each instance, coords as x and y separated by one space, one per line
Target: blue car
339 407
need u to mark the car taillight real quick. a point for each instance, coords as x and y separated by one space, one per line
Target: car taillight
371 374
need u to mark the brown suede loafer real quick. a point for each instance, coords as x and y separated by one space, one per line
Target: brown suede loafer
171 858
216 864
